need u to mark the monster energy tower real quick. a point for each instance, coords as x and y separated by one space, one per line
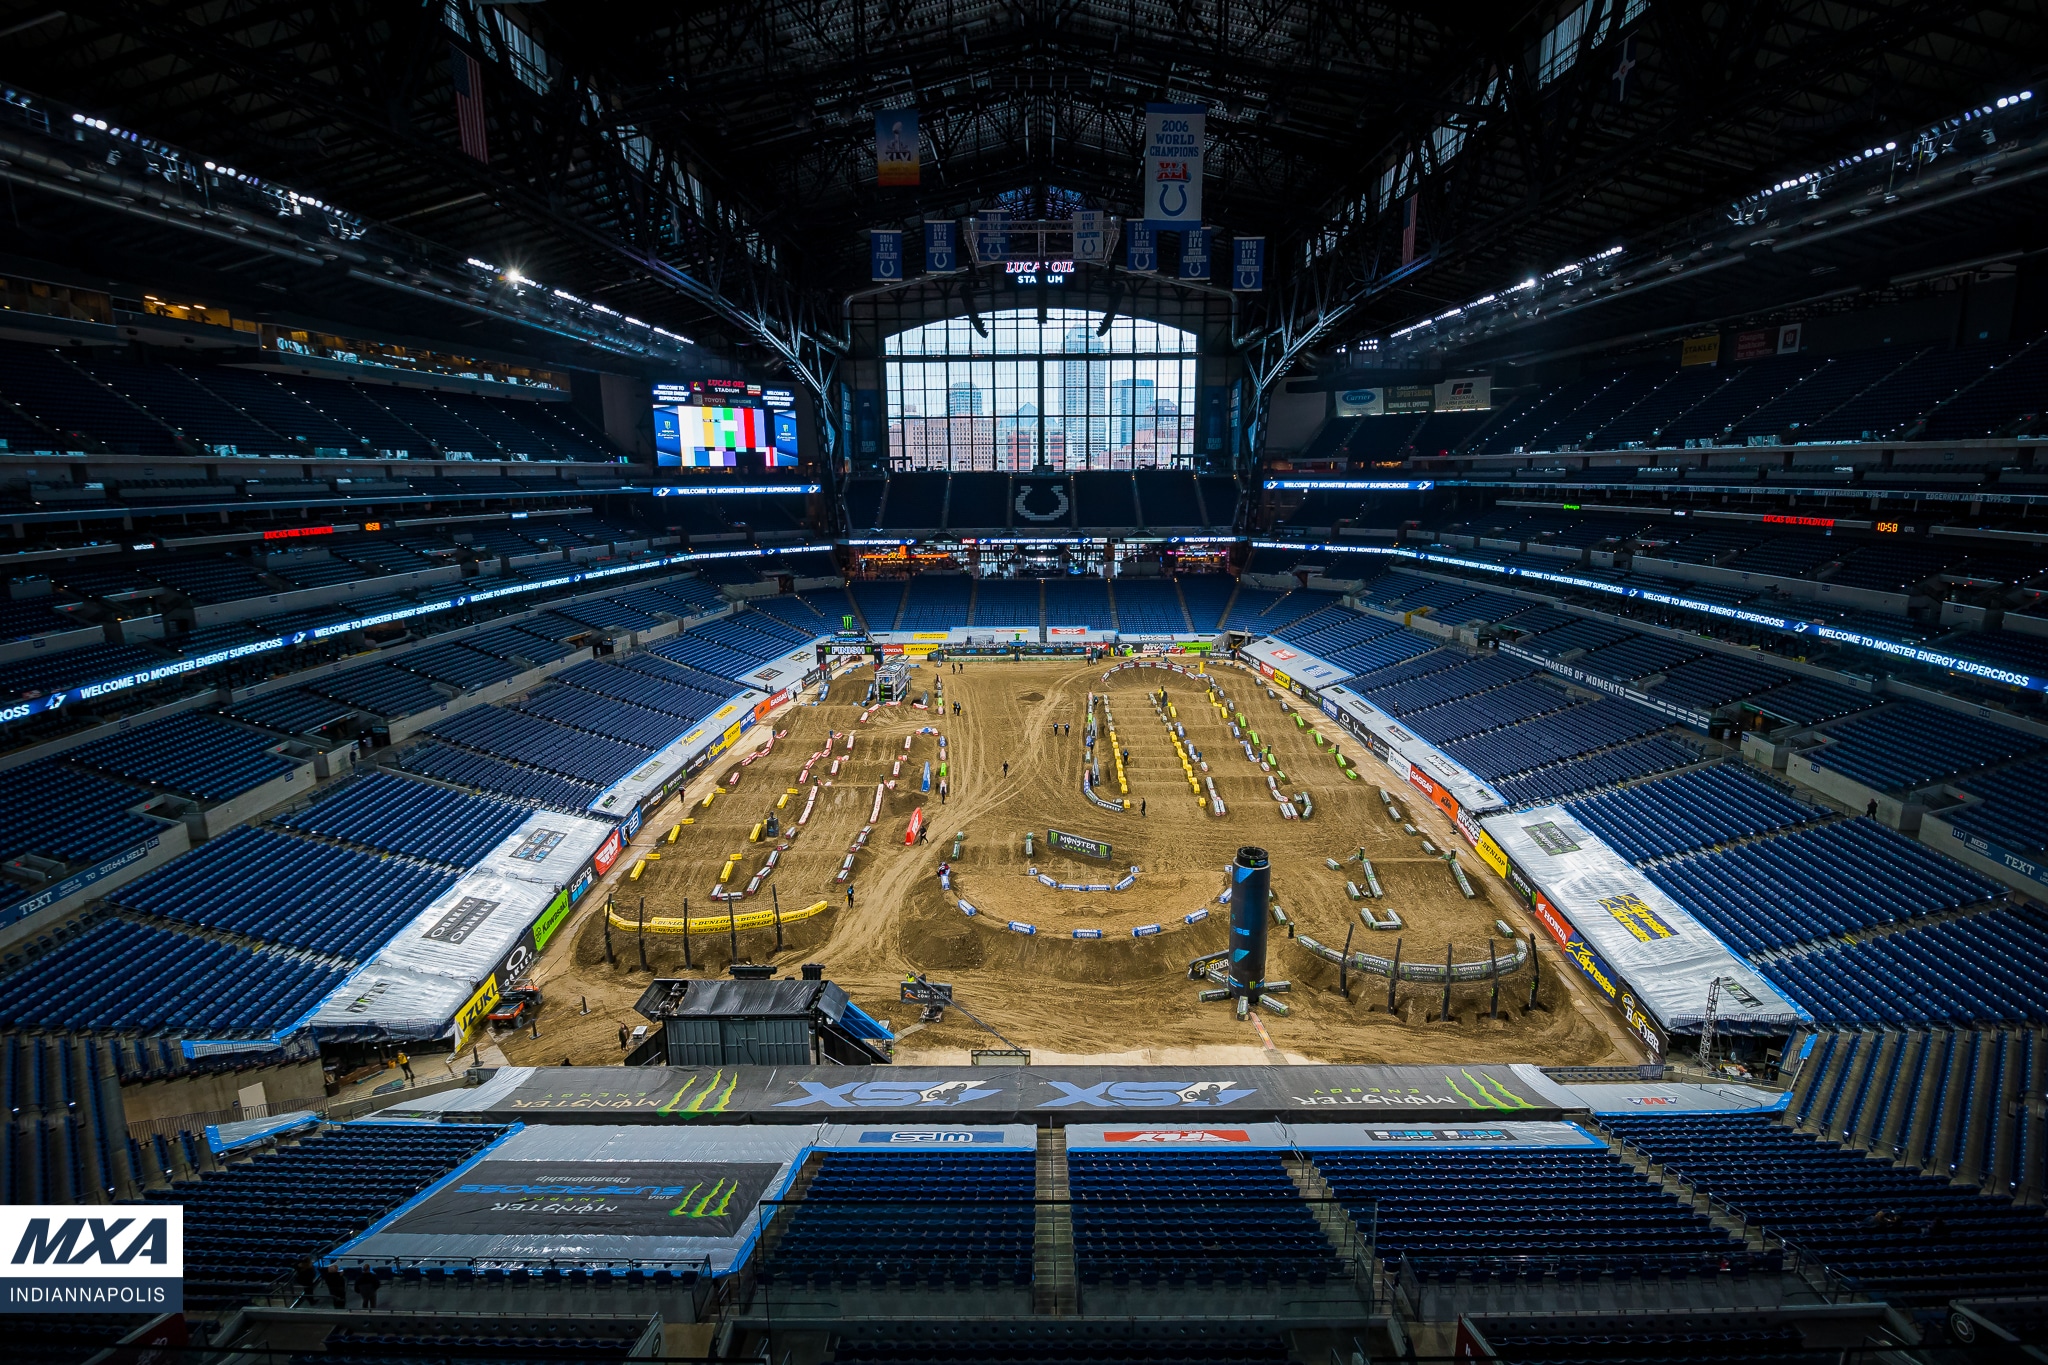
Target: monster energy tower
1239 971
1251 887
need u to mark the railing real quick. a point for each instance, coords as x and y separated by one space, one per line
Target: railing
331 1111
835 1259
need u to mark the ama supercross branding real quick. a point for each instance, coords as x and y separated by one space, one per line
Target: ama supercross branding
64 1258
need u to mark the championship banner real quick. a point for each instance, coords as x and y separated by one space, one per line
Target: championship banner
991 237
896 153
941 248
1174 136
1091 237
1248 265
1194 254
1141 249
885 255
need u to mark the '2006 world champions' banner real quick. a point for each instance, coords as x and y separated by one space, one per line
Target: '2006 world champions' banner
1174 135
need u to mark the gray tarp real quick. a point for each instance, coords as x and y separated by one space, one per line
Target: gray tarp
1664 955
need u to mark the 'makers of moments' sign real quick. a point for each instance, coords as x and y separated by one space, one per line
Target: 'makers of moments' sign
99 1258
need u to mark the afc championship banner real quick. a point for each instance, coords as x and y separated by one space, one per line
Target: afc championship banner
96 1258
1174 138
885 255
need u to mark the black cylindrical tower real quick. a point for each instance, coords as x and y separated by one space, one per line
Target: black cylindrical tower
1251 888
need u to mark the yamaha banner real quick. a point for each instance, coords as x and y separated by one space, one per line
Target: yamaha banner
1174 138
885 255
1194 254
1141 249
1248 265
941 248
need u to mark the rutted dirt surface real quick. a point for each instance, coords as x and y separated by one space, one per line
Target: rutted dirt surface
1119 997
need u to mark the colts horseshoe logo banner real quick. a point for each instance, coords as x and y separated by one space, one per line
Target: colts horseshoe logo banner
1174 136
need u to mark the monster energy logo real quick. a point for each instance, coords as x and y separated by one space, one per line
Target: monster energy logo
714 1204
1490 1093
709 1099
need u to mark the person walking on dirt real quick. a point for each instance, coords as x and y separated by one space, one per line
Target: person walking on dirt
849 895
1141 807
405 1065
1006 767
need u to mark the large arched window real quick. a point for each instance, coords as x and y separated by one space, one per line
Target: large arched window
1027 393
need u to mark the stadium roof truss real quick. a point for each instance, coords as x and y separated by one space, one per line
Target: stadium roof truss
712 165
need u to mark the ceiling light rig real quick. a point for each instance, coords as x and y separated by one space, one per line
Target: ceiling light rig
1876 169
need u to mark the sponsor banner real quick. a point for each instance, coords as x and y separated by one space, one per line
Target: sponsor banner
88 691
1286 665
1704 350
1755 345
1076 843
551 919
1409 398
1470 394
1644 951
1490 854
1684 715
607 853
1190 1098
2030 868
1175 135
626 1195
1177 1136
1452 789
1360 403
79 880
92 1258
1976 668
582 1199
932 1137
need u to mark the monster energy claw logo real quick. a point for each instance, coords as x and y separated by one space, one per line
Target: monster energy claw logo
713 1204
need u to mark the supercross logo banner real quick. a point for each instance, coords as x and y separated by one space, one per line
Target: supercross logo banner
100 1258
888 1094
1147 1094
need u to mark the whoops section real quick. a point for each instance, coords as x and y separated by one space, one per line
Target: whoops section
797 817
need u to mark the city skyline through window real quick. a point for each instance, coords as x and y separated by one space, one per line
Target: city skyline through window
1058 394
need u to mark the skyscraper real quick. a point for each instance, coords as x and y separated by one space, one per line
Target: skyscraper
1084 397
1132 403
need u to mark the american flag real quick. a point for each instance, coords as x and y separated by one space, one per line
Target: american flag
469 102
1410 211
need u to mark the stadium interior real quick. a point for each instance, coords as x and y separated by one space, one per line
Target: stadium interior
1397 659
